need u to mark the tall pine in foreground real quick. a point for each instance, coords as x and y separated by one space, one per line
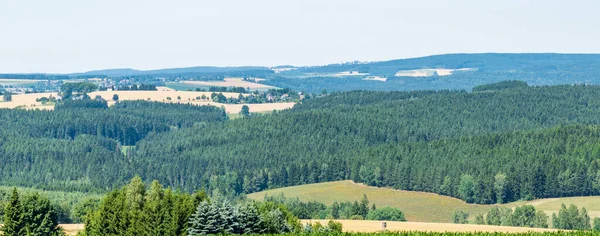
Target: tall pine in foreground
13 216
31 215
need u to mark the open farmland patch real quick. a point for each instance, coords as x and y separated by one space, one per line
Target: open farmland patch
230 82
394 226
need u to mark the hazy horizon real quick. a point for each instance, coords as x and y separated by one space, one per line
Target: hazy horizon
67 36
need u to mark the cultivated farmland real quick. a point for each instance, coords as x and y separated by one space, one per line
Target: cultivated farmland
375 226
230 82
28 101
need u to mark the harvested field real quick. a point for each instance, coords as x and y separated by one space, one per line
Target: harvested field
375 226
28 101
230 82
160 96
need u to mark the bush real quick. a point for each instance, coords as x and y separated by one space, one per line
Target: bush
479 219
334 226
386 213
356 217
571 218
596 224
460 217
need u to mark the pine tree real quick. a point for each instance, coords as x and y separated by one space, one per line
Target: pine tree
335 210
13 216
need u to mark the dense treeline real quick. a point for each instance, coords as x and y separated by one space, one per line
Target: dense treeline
135 87
500 85
408 143
357 210
86 136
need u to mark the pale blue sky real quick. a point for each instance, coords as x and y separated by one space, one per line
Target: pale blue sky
78 35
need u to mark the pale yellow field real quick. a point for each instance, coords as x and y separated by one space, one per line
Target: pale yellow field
27 101
72 229
160 96
375 226
230 82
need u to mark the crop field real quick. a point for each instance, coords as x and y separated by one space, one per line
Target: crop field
191 98
417 206
159 96
28 101
366 226
230 82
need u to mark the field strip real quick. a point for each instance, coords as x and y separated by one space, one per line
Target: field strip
375 226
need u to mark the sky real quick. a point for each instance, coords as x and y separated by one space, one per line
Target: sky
63 36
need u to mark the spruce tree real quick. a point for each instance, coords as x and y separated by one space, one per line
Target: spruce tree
250 221
199 221
39 215
228 216
13 216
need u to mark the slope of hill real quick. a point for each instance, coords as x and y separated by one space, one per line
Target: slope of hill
417 206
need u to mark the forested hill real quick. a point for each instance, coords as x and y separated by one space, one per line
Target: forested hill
503 143
426 141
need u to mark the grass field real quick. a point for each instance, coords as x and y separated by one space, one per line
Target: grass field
417 206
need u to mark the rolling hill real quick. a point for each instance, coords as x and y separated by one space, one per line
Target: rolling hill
417 206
